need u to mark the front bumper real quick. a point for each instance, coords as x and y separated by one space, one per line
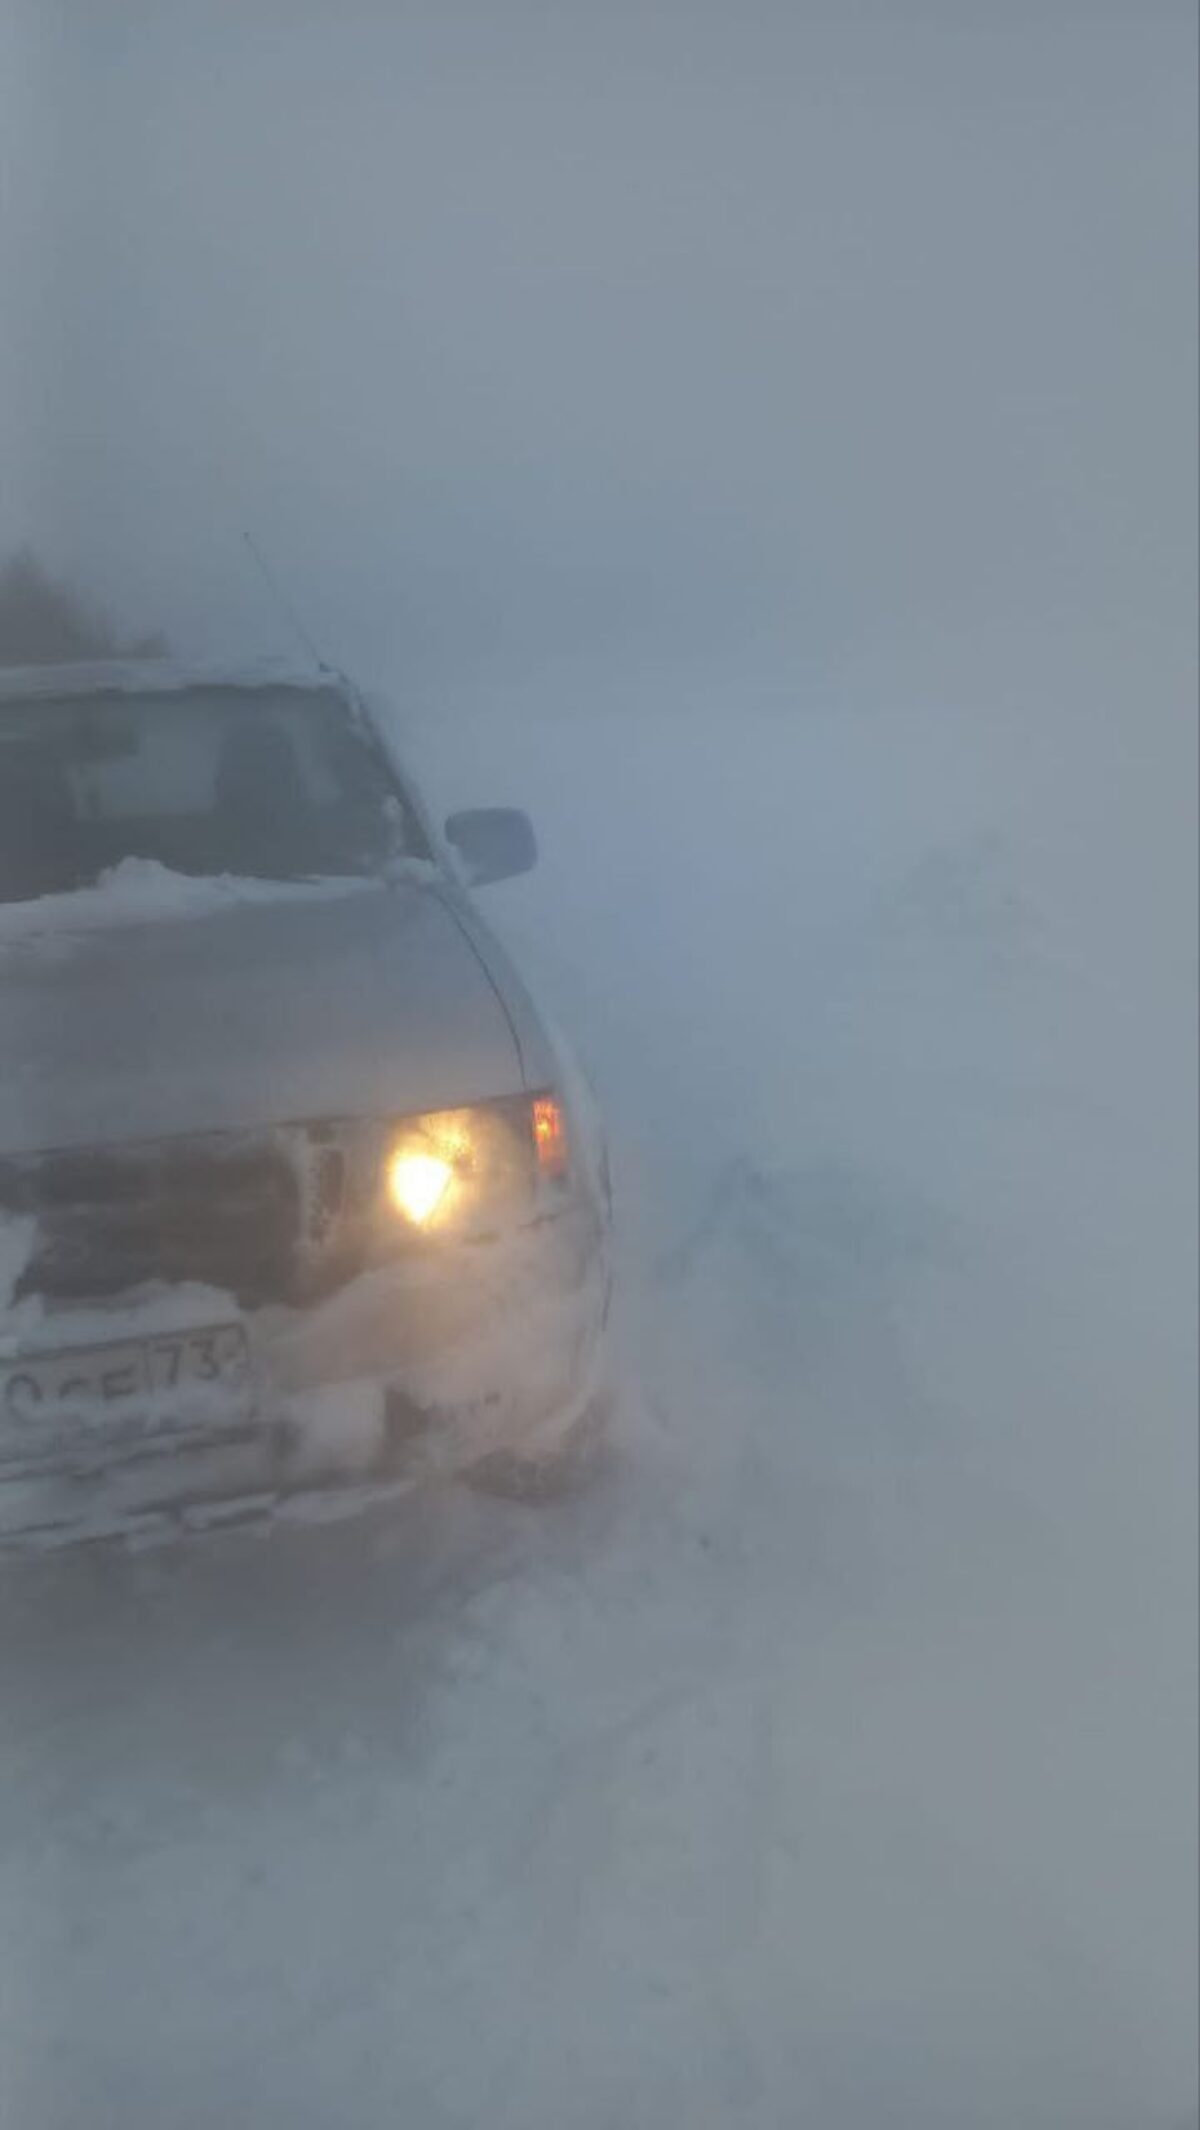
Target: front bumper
415 1369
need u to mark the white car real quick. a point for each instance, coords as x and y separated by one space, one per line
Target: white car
298 1196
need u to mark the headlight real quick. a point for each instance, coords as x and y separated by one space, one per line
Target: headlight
457 1170
418 1182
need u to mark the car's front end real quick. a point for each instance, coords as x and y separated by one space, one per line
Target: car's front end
298 1201
245 1324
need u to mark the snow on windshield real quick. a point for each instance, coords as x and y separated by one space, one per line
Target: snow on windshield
276 783
141 891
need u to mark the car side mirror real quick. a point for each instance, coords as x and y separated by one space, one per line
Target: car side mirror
494 843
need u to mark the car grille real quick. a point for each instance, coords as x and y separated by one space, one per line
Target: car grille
266 1216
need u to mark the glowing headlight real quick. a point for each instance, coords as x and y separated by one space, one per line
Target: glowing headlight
458 1169
417 1183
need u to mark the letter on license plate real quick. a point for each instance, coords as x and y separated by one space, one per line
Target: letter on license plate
171 1383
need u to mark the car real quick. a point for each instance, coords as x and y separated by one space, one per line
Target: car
301 1200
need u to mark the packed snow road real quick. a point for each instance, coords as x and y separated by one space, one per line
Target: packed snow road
831 1761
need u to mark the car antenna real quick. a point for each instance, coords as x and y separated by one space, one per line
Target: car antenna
275 588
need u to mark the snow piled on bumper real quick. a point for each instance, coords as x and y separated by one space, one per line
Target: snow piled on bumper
415 1369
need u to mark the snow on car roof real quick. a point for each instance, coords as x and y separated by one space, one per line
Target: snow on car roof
154 676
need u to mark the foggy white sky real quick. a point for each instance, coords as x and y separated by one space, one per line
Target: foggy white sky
563 342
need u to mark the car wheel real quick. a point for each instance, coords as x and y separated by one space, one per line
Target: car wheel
553 1471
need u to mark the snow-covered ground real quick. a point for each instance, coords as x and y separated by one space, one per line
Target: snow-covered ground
832 1762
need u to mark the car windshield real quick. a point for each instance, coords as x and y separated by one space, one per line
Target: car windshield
266 783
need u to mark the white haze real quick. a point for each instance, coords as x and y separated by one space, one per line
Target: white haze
763 442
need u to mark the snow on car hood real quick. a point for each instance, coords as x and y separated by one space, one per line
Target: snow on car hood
152 1005
138 891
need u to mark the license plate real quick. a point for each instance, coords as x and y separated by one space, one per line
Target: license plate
134 1390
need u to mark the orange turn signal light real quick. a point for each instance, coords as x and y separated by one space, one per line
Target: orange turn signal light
549 1136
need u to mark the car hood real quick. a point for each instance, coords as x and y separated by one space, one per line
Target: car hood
369 1000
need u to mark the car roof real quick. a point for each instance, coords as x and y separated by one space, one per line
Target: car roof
157 676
